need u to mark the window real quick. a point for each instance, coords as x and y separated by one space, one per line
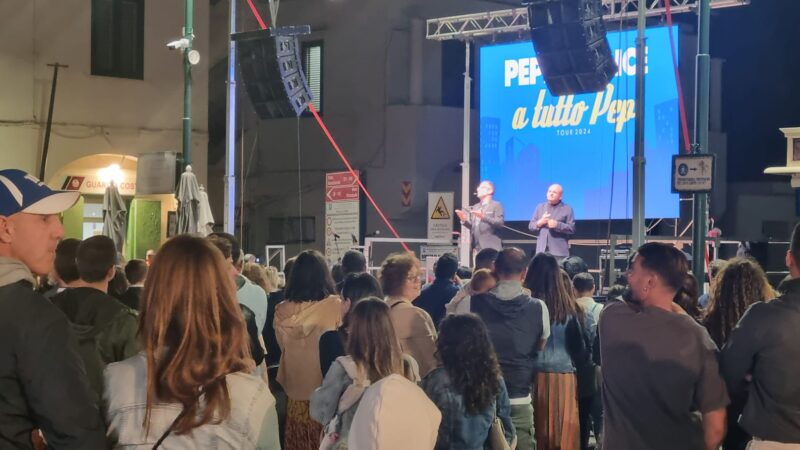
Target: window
291 230
118 38
92 216
312 67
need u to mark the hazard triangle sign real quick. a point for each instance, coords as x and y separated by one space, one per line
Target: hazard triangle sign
440 211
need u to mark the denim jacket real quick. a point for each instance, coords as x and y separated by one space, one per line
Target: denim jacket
458 429
251 425
565 347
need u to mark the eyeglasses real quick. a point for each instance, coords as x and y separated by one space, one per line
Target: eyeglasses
417 277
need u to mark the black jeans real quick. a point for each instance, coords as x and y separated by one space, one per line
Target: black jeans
590 415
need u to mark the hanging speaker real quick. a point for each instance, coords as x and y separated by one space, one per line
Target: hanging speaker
269 61
571 45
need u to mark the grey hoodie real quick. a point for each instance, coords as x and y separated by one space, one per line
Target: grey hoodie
13 270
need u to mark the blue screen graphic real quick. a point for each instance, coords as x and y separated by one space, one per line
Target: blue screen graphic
530 139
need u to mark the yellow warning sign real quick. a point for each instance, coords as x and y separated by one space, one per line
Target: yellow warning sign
440 211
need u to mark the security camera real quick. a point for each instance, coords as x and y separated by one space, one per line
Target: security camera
179 44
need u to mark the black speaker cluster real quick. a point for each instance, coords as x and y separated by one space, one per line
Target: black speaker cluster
272 71
571 45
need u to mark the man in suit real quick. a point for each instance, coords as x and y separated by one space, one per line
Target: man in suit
554 221
484 219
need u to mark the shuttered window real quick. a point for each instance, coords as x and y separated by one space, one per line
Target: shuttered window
312 67
118 38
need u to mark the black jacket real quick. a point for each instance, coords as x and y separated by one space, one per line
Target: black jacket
131 297
105 328
43 382
433 298
765 345
516 327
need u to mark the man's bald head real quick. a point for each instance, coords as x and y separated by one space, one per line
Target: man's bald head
554 194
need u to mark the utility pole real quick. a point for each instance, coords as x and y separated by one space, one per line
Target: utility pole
465 247
230 134
188 34
701 117
49 125
637 226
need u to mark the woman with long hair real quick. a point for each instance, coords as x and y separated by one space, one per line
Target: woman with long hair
190 387
373 353
467 387
355 287
555 405
738 285
311 308
401 282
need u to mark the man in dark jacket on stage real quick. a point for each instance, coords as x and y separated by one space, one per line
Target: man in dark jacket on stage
484 219
554 221
42 378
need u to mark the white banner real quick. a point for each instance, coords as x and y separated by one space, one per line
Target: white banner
429 254
440 215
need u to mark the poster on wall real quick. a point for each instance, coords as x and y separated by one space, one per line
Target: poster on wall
530 139
341 214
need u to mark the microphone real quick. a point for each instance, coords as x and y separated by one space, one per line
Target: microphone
354 238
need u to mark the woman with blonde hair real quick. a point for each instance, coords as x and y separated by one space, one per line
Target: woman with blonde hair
258 275
190 387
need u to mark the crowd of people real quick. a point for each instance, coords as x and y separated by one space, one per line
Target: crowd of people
198 347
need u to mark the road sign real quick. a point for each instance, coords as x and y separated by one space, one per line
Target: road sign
692 173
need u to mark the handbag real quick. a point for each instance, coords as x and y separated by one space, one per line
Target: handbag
497 436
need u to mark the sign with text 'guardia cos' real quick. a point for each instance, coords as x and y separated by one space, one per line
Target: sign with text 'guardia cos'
530 139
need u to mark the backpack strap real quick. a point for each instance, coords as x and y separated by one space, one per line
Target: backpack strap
353 393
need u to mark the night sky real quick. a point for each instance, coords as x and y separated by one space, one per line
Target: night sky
761 82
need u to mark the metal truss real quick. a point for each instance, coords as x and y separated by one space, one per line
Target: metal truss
514 20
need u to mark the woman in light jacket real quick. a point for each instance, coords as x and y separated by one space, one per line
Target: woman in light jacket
190 387
311 308
373 354
467 387
355 287
401 282
555 401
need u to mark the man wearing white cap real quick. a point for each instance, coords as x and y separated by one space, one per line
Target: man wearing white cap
43 382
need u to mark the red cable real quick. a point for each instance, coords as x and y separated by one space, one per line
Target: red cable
258 16
338 150
684 126
353 173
